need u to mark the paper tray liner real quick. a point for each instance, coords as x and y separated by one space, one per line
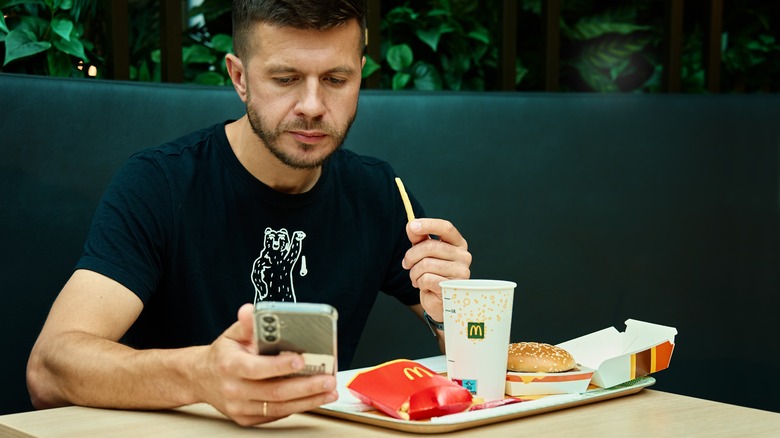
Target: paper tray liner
535 405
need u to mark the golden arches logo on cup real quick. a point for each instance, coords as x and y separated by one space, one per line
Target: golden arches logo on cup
476 330
416 371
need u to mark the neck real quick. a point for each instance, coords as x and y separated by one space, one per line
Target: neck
263 165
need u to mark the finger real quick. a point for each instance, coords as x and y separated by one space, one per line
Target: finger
292 388
428 273
252 412
437 250
283 409
419 230
260 367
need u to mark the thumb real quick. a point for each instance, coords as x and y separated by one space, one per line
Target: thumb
243 330
246 318
414 232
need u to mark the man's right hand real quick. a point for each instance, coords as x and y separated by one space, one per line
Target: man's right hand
251 388
77 359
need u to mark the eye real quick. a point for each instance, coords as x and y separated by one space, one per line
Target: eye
286 80
335 81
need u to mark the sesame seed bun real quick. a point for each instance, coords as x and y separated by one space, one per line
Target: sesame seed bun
530 357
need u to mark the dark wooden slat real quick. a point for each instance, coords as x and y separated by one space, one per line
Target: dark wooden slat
712 46
171 29
373 24
551 15
118 40
508 54
673 41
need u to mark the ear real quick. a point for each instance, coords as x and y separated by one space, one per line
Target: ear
235 69
363 63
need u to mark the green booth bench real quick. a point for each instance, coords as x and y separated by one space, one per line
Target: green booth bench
661 208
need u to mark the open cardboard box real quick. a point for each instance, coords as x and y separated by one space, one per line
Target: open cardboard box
616 357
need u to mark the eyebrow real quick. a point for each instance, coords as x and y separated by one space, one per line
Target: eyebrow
281 69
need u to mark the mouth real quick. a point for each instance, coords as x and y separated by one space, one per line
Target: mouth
308 137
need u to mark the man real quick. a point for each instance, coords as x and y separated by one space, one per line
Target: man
266 208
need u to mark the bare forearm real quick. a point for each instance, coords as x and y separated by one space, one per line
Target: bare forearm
86 370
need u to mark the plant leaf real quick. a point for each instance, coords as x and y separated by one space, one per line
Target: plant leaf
426 77
9 3
400 56
479 52
210 78
618 69
437 13
400 79
59 64
589 30
56 5
453 80
62 27
72 47
370 67
606 53
197 54
400 14
222 43
3 27
459 62
480 35
430 37
38 26
520 71
143 72
20 43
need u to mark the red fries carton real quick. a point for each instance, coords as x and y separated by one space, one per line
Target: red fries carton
409 391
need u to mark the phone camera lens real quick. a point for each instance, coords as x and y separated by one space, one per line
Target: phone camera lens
270 328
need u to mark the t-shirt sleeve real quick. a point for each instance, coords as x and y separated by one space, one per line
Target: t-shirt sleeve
128 232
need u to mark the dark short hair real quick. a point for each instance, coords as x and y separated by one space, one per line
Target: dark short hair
299 14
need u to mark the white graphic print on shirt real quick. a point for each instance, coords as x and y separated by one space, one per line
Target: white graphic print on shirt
272 273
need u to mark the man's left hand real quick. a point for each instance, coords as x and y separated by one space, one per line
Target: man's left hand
433 260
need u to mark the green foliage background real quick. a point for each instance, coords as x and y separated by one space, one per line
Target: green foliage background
46 36
606 46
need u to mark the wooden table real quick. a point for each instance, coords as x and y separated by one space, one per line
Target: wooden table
648 413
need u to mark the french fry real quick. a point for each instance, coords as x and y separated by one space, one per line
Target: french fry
405 198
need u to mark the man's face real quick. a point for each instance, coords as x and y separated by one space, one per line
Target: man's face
302 90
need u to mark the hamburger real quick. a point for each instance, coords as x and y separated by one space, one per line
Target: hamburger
537 357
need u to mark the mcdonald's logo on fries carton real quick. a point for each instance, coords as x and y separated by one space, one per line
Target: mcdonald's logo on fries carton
618 357
409 391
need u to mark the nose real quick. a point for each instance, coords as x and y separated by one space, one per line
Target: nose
311 101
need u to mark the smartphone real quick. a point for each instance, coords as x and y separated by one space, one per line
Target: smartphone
305 328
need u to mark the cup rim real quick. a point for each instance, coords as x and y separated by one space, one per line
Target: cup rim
477 284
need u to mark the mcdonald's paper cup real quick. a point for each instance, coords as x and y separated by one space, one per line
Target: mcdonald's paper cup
477 325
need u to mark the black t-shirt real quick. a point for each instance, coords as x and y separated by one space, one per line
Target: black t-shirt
191 232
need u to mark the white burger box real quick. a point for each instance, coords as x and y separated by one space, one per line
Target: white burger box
605 358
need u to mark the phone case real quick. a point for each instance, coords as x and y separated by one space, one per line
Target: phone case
305 328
